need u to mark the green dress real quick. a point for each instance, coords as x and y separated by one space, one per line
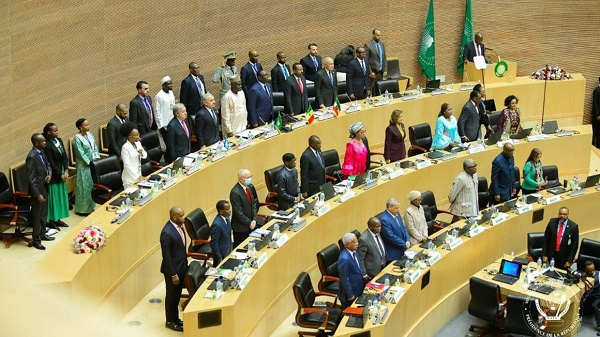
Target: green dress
85 151
58 196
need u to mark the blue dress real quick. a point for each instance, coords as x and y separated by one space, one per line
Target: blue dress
86 150
445 133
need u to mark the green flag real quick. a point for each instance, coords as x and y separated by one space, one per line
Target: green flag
427 50
278 122
467 37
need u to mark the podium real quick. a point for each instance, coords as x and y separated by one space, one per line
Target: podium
473 75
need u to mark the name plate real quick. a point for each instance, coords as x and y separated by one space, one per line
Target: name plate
244 144
454 243
414 276
577 193
396 174
551 200
523 209
261 260
194 168
169 183
322 210
500 144
271 133
382 102
476 231
369 185
500 218
282 239
347 196
353 108
218 156
394 294
476 149
298 124
433 258
243 281
423 164
326 116
535 138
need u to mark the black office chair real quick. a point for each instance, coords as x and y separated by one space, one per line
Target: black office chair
342 90
325 319
432 211
493 119
312 101
151 143
420 139
196 225
103 138
194 277
343 98
589 250
391 85
535 244
15 211
517 185
394 72
106 175
310 90
333 168
271 183
486 303
550 172
370 162
278 98
341 243
517 309
483 193
327 259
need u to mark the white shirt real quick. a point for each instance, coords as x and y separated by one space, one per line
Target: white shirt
234 114
132 163
163 103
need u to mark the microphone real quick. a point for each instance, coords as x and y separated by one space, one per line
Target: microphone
262 120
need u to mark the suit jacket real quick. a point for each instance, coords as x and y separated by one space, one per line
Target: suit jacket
278 78
370 257
139 115
357 81
174 259
177 142
220 239
351 276
312 172
249 77
596 104
373 56
326 92
468 121
243 212
503 177
568 244
394 148
287 188
394 235
115 139
296 102
37 171
58 160
259 103
469 52
310 72
190 95
206 128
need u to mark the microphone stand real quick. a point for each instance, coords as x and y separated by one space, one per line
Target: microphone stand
544 97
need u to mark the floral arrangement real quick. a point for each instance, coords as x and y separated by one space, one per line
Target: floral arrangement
555 73
90 238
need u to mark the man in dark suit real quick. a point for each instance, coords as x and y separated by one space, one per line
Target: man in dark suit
468 121
502 185
591 298
249 72
140 109
115 138
350 271
260 101
311 63
394 234
371 249
483 110
178 134
207 123
280 72
244 201
357 76
475 48
288 189
326 84
377 60
193 89
561 240
173 266
296 95
38 176
596 116
312 167
220 233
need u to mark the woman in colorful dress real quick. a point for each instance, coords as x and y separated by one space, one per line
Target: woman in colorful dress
446 129
533 175
86 150
355 158
510 118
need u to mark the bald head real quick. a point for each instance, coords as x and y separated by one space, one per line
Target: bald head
508 149
176 215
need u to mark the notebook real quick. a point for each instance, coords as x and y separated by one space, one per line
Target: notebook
509 272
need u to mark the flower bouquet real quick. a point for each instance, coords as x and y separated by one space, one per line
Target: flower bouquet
555 73
90 238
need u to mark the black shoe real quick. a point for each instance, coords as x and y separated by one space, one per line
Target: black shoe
174 326
53 225
61 223
180 322
46 238
82 214
36 245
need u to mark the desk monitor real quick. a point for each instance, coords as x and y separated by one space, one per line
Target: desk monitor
549 127
328 190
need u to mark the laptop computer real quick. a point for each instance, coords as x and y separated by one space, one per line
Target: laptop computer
549 127
541 288
364 298
486 215
431 86
438 241
508 206
490 105
213 284
283 225
328 190
530 199
435 154
509 272
494 138
591 181
359 180
358 321
522 134
308 206
391 277
465 229
557 190
178 164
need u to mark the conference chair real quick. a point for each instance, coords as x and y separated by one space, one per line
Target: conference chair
550 172
391 85
420 139
194 277
431 211
103 138
493 119
324 319
483 193
343 98
333 168
15 211
278 98
271 183
327 259
372 163
342 89
535 244
517 309
310 90
589 250
151 143
395 73
355 232
517 185
312 101
198 229
486 303
106 175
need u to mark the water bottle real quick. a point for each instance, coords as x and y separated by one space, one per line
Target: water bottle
552 264
368 101
576 183
539 263
321 197
297 211
155 187
275 236
537 129
219 285
368 178
127 203
504 136
526 279
369 307
386 282
418 90
123 205
168 172
386 95
397 283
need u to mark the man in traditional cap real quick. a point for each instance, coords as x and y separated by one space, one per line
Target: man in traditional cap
463 197
164 101
414 217
234 114
225 72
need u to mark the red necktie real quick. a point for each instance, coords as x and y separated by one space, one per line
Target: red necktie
561 229
187 133
300 85
181 234
248 195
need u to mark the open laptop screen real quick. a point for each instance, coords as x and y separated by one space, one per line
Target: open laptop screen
510 268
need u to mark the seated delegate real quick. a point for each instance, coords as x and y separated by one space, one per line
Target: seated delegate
446 129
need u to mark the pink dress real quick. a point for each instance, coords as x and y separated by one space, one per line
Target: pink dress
355 159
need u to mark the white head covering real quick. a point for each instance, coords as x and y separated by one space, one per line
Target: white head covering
355 127
165 79
412 195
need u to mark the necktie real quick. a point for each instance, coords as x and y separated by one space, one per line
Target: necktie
199 85
214 116
148 110
381 249
478 50
330 78
267 90
248 196
181 234
319 158
315 63
380 53
300 86
185 129
286 74
356 259
561 229
44 161
362 65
